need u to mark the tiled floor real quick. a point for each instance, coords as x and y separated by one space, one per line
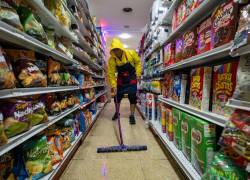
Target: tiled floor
144 165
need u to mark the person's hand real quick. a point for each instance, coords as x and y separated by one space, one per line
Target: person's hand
139 79
113 92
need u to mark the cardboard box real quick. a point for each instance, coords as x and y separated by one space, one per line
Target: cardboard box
169 124
177 127
186 125
203 144
163 119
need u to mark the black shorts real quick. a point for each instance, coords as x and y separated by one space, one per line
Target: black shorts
132 98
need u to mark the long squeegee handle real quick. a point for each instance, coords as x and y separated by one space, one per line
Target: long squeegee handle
117 106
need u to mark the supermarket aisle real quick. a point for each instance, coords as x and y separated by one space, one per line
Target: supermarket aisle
150 165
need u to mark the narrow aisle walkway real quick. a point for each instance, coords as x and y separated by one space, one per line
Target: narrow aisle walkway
144 165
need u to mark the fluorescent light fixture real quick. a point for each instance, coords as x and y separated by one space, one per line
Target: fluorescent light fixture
125 36
125 46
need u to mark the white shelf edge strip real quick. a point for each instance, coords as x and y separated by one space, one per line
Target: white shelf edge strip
12 35
93 100
208 116
19 139
185 165
237 104
203 58
10 93
68 151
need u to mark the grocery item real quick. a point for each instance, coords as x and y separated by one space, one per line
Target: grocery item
223 168
54 68
200 88
224 20
186 126
179 88
242 36
30 24
6 166
7 78
16 116
37 159
3 137
163 119
202 144
169 124
177 127
53 152
204 36
189 44
243 77
224 82
28 74
169 54
178 49
241 119
53 105
9 15
59 142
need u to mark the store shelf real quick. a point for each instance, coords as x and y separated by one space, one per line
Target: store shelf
93 100
237 104
140 112
193 19
17 140
208 116
13 35
241 51
89 87
168 17
10 93
49 20
185 165
201 59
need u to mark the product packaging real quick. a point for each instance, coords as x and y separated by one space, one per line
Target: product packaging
189 44
169 54
179 87
186 126
53 152
177 127
178 49
169 124
204 36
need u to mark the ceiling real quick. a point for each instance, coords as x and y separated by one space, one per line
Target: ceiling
112 19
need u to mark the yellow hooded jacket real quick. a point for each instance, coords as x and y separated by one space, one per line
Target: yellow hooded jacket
132 58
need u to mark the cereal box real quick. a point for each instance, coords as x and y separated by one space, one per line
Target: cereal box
169 124
203 144
204 36
169 53
178 49
189 44
177 127
224 82
179 87
186 124
200 88
167 90
163 119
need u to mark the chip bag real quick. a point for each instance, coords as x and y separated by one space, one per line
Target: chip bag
53 152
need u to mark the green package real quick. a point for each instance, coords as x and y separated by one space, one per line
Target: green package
186 124
203 144
177 127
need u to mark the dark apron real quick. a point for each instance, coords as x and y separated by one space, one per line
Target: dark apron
126 80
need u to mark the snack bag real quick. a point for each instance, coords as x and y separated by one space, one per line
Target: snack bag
28 74
6 166
7 78
222 167
54 68
224 21
53 105
177 127
202 144
59 142
189 44
204 36
186 126
163 119
37 159
243 78
53 152
169 122
178 49
224 82
16 116
9 15
169 54
241 120
3 137
31 25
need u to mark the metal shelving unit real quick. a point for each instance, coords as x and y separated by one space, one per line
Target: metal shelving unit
201 59
10 93
13 35
208 116
93 100
17 140
241 51
237 104
182 161
49 20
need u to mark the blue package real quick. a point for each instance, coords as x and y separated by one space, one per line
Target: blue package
177 88
82 122
80 79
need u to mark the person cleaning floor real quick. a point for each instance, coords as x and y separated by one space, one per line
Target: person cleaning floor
127 65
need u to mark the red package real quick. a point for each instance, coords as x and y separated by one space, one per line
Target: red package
169 54
168 84
174 20
224 21
181 13
204 36
241 119
178 49
224 82
189 44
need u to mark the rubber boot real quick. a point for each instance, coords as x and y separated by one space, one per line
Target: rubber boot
132 120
